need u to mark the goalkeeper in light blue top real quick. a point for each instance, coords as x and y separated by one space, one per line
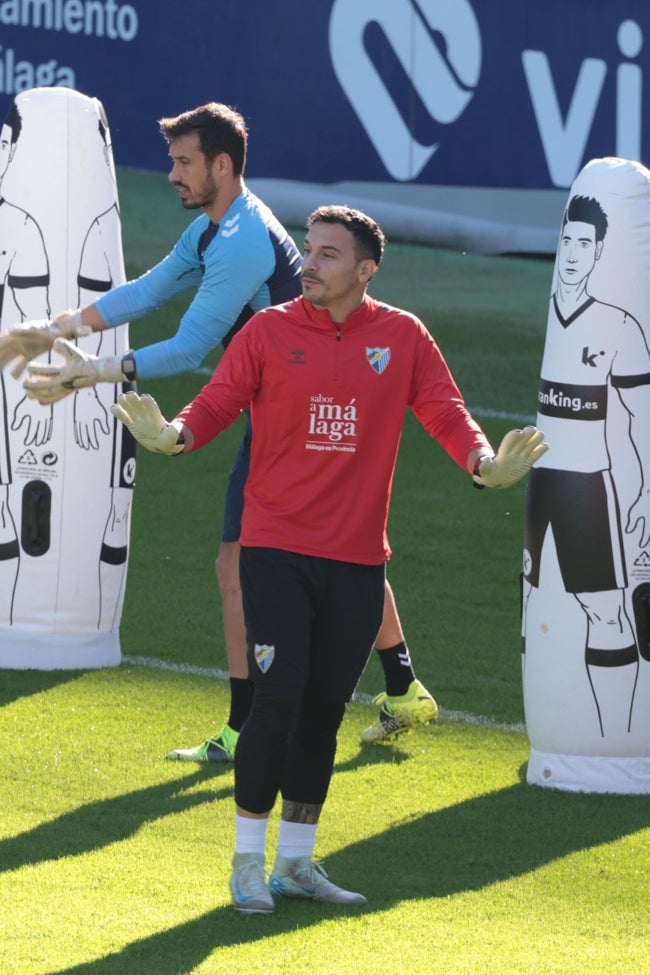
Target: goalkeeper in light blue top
244 264
240 259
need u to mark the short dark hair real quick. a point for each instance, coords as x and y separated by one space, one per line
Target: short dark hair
585 209
368 236
219 127
14 121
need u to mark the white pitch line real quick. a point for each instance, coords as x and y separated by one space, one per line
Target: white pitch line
502 415
462 716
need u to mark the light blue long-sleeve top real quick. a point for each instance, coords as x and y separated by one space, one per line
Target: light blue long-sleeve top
249 263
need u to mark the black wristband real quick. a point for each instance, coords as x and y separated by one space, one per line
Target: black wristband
476 472
128 367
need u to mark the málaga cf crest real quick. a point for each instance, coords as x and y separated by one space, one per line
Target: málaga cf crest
264 655
378 358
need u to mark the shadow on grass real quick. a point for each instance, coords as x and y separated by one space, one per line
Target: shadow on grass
98 824
373 755
466 847
15 684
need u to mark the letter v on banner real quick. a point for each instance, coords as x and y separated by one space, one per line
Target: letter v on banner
444 75
563 142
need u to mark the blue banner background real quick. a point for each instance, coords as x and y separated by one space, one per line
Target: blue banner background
274 61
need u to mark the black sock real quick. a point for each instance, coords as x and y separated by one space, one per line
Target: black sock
241 696
398 670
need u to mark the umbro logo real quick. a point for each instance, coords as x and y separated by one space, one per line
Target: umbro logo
297 357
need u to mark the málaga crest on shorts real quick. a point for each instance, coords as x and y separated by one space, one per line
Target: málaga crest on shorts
378 358
264 656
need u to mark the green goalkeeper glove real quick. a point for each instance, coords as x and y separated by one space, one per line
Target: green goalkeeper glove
26 341
49 382
517 453
142 416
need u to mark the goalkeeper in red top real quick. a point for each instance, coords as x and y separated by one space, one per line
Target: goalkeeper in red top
328 378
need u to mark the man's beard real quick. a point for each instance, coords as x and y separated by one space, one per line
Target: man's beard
208 196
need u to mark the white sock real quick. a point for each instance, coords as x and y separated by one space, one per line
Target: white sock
250 834
296 839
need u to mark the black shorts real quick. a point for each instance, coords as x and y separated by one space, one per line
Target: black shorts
583 513
234 504
310 622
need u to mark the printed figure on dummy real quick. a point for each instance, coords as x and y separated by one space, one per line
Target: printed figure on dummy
53 459
590 495
101 268
25 274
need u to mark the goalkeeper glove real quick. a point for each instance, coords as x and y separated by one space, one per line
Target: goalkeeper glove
517 453
142 416
49 382
26 341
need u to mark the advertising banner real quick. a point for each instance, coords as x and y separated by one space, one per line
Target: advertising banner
423 92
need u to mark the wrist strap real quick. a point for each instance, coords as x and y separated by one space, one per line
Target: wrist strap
476 471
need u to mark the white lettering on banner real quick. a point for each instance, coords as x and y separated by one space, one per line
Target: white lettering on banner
17 76
438 45
564 141
95 18
629 79
444 75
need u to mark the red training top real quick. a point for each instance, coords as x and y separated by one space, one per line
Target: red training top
327 408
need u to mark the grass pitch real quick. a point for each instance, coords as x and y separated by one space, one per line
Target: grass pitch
115 862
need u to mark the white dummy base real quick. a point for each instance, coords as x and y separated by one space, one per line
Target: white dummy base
24 651
589 773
